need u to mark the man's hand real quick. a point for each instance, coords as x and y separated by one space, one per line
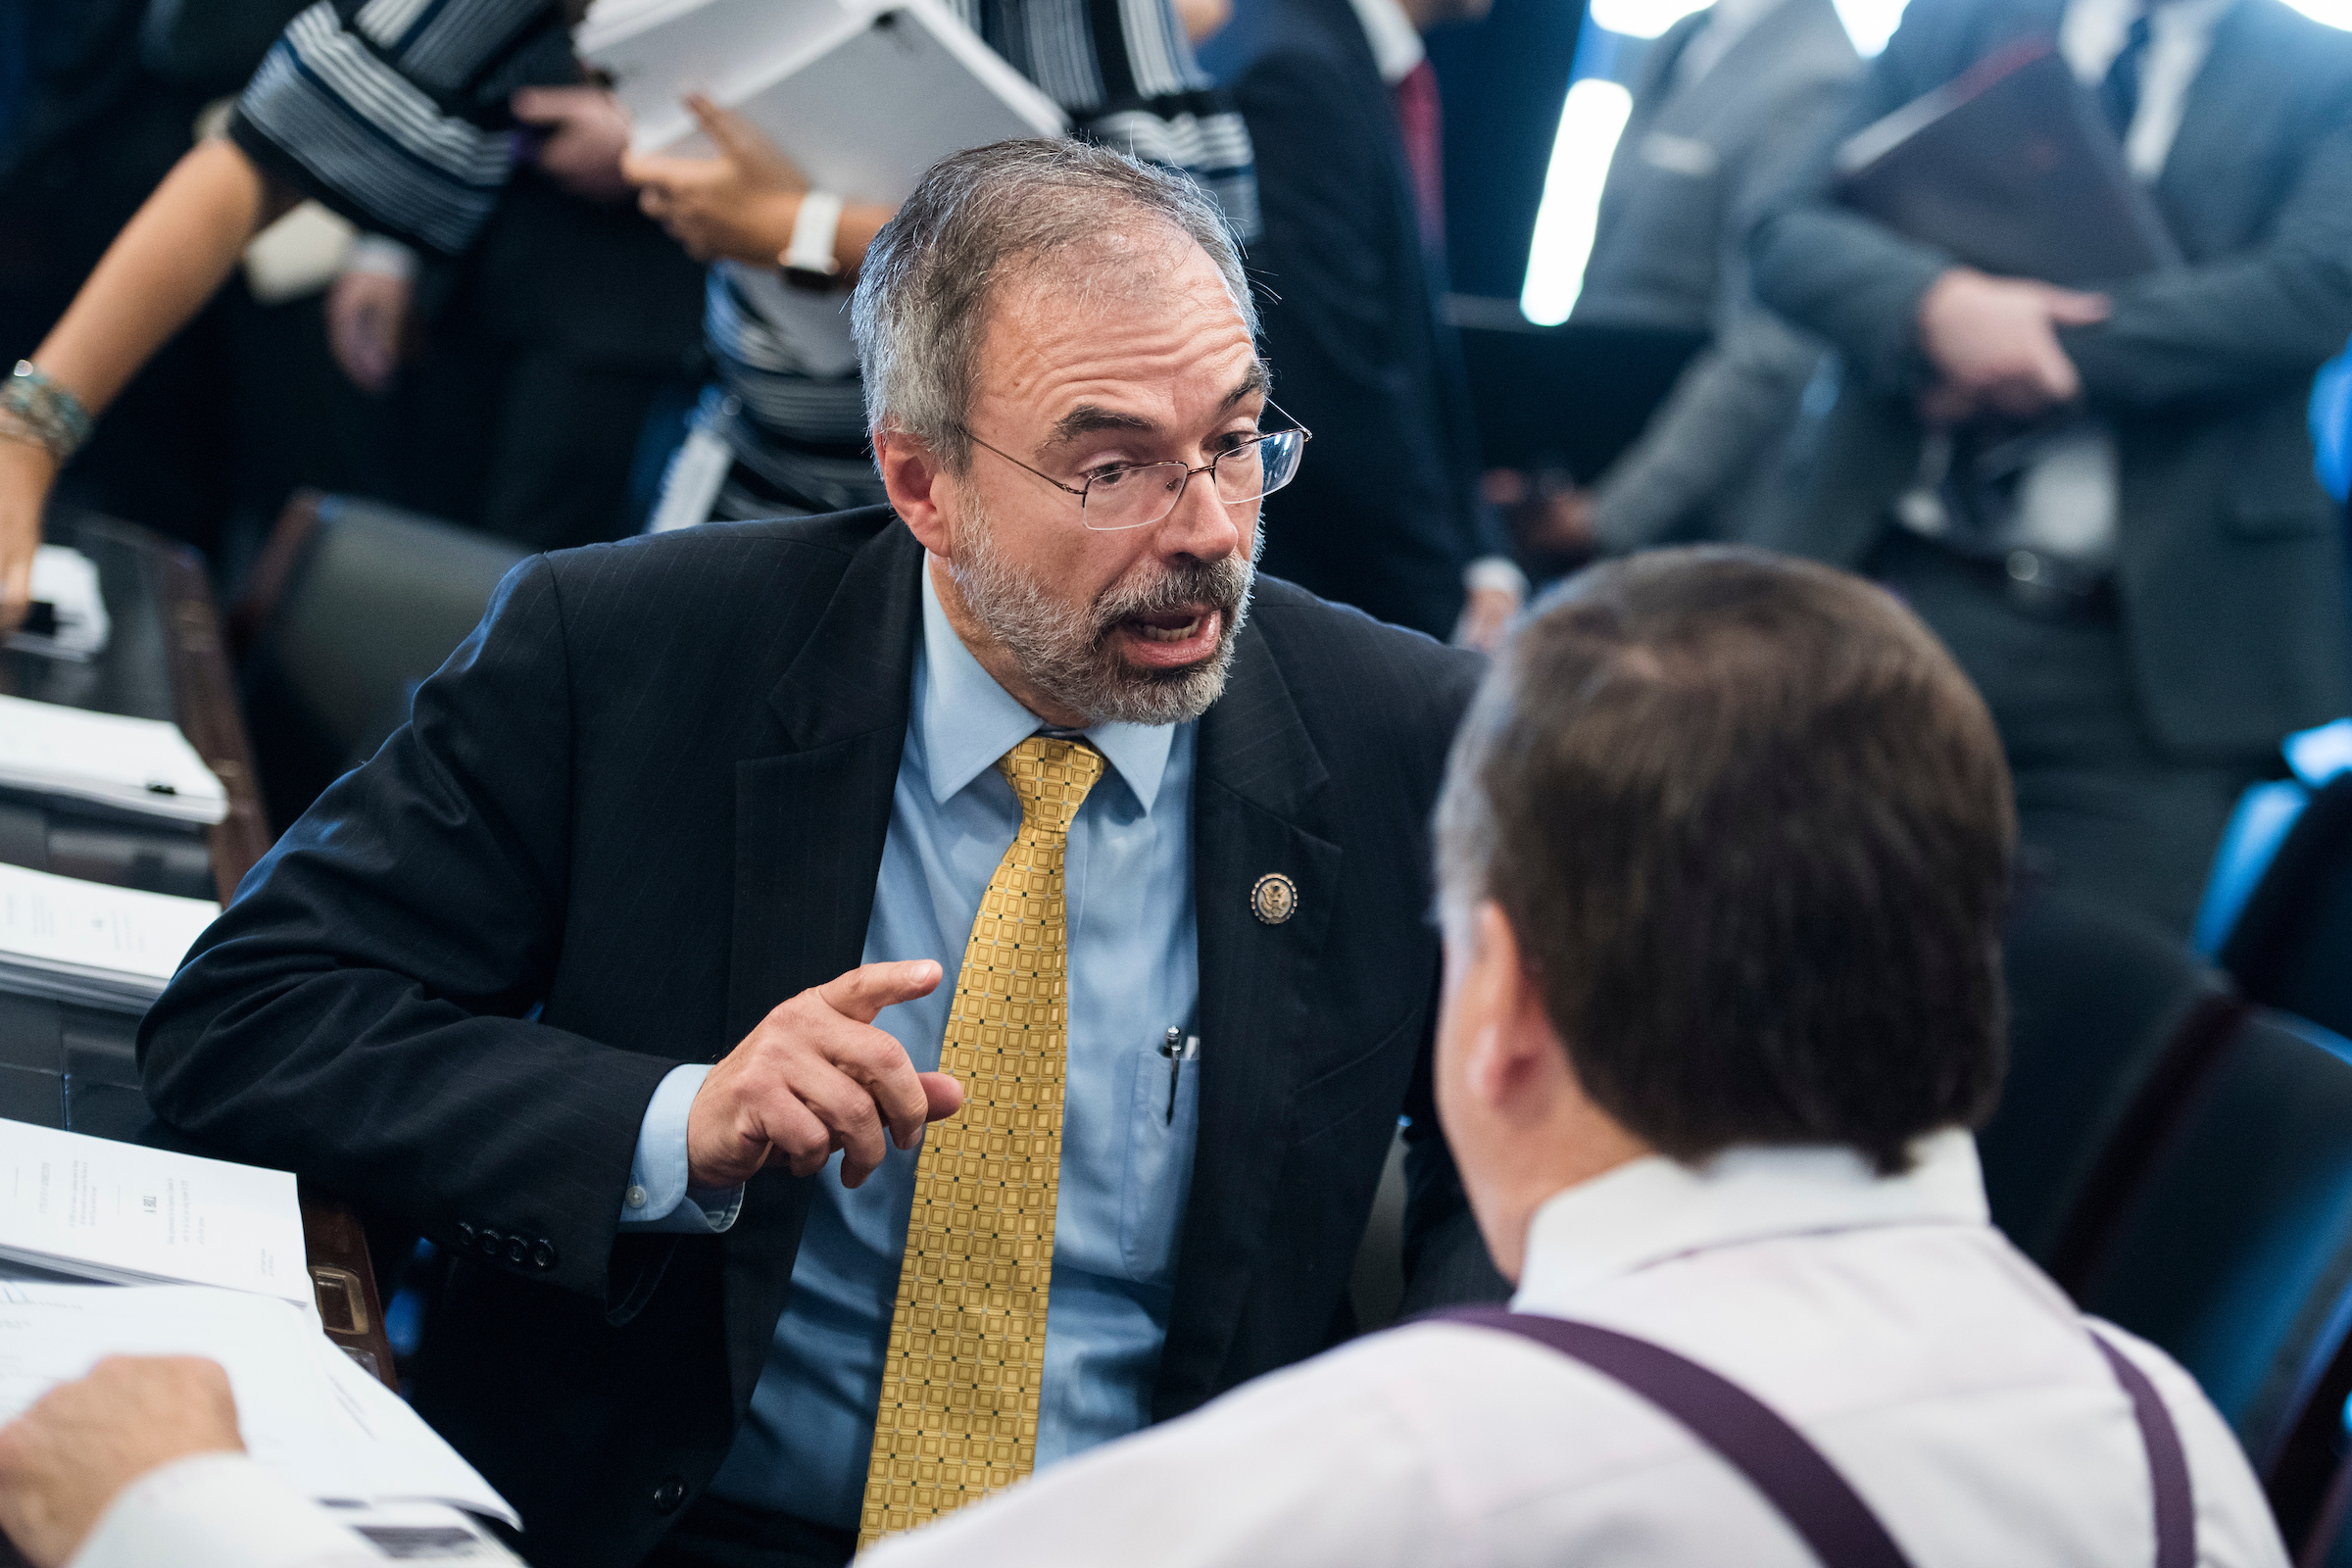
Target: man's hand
25 472
817 1076
1994 345
740 205
367 316
587 134
67 1458
1486 616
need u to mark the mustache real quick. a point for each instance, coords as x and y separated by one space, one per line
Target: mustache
1221 585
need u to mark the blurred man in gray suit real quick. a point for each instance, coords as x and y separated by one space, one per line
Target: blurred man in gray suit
1730 102
2153 597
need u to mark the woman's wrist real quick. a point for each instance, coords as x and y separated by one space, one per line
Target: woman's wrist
37 410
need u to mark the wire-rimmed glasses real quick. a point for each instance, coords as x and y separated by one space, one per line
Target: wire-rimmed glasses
1136 495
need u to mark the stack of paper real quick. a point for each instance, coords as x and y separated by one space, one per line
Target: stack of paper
123 1214
103 947
862 95
213 1252
144 765
303 1409
69 617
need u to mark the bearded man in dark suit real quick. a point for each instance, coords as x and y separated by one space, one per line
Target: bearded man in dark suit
617 972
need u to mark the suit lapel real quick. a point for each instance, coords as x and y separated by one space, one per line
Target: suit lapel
810 825
1253 815
2234 103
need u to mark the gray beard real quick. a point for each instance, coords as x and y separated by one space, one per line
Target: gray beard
1066 652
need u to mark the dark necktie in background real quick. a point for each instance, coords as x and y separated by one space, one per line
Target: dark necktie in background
1418 122
2119 93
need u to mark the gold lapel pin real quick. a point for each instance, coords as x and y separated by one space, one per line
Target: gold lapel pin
1275 898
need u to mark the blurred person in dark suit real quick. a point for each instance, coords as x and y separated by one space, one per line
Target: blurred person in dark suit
520 376
1731 101
2159 594
1342 105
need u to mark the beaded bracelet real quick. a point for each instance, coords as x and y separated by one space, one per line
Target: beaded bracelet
45 411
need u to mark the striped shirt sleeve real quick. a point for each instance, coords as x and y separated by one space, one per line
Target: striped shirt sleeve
1124 73
393 112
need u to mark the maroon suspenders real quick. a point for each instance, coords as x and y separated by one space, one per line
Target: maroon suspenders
1791 1472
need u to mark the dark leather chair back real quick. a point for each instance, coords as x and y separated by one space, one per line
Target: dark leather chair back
2234 1253
2291 947
352 605
2105 1014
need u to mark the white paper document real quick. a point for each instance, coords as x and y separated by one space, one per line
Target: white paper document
303 1409
144 765
66 581
90 943
120 1213
862 95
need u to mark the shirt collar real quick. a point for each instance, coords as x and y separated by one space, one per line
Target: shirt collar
968 720
2193 19
1655 1208
1396 42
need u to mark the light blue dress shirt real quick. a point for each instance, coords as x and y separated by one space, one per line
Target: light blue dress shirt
1126 1159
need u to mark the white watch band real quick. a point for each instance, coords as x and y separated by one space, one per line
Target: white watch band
813 234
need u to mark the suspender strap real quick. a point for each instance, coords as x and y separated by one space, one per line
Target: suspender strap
1791 1472
1774 1458
2168 1463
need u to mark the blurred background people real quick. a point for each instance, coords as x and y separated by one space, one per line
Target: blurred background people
97 102
1343 110
397 120
524 380
783 428
2153 594
1730 102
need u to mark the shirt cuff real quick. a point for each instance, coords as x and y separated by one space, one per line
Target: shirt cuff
382 256
1496 571
217 1511
660 1197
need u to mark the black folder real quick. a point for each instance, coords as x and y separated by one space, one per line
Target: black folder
2011 167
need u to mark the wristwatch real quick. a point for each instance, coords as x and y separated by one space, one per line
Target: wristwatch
808 260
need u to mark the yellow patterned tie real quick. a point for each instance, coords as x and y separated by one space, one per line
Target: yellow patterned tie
957 1418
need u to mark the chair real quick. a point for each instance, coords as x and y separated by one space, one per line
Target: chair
2234 1250
2291 946
2108 1017
352 605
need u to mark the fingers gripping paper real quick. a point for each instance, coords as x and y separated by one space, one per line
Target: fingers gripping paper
960 1379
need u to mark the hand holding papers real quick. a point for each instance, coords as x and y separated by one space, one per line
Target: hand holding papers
228 1238
861 95
144 765
85 942
303 1409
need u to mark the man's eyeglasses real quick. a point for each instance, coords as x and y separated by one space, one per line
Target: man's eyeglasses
1136 495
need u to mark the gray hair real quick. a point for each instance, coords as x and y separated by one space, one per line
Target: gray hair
923 292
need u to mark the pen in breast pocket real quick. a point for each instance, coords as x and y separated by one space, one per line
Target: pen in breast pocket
1179 1047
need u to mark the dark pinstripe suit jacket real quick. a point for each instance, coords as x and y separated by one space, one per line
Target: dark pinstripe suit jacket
643 803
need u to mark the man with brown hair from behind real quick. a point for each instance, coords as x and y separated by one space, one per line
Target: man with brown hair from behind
1722 854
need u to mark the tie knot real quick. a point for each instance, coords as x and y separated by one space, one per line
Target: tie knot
1051 777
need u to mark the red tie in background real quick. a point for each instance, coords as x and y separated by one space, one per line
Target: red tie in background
1418 122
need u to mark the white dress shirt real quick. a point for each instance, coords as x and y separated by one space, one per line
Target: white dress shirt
1944 1376
1396 42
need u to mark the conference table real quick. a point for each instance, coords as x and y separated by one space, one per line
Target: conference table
75 1067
